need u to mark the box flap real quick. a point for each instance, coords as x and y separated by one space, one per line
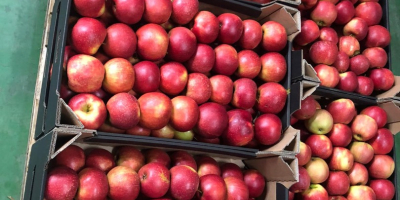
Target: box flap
310 72
64 137
288 145
393 112
308 88
281 169
392 93
66 117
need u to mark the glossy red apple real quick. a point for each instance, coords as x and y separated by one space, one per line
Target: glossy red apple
147 76
324 13
87 35
304 182
304 156
182 44
117 48
62 183
90 110
244 93
72 157
183 158
211 187
249 64
384 189
173 78
123 110
205 27
359 64
236 188
364 127
158 11
338 183
138 130
365 85
93 184
383 79
124 183
240 128
226 60
349 45
155 110
371 12
342 62
90 8
78 79
152 42
185 113
328 34
307 109
213 120
119 76
377 57
378 36
271 98
231 169
184 182
267 129
357 28
202 60
358 174
345 12
252 34
381 167
154 180
274 36
320 146
348 81
309 33
362 152
340 135
183 11
129 157
128 11
100 159
323 52
231 28
198 87
329 76
273 67
377 113
255 182
207 165
221 89
341 159
342 110
383 141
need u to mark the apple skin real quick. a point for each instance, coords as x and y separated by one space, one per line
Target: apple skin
236 189
383 141
240 129
363 127
255 182
213 120
252 34
187 135
124 183
271 98
211 187
307 109
93 184
108 127
268 129
65 92
378 36
68 53
165 132
359 64
87 35
362 152
62 183
89 109
205 27
129 157
183 11
198 88
231 170
324 13
317 169
384 189
157 156
338 183
365 85
320 146
185 113
221 89
320 123
147 77
129 11
249 64
349 45
152 42
138 130
342 110
304 156
341 159
90 8
78 79
117 48
183 158
293 120
231 28
157 12
358 174
244 93
329 34
126 117
72 157
226 60
155 110
119 76
273 67
383 79
309 33
371 12
100 159
348 81
323 52
207 165
274 36
357 28
340 135
154 180
377 57
345 12
360 192
381 167
315 191
182 44
304 182
202 60
173 78
342 62
184 182
337 197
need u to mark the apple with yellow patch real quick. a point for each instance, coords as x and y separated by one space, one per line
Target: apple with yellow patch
124 183
119 76
89 109
341 159
154 180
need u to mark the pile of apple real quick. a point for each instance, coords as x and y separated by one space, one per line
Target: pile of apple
346 44
204 79
148 174
343 155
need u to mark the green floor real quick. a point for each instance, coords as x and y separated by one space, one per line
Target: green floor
21 26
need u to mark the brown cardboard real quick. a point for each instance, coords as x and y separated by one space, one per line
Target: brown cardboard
394 92
309 72
393 112
66 117
288 145
293 2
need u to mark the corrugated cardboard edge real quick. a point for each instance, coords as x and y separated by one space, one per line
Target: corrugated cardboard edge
308 88
309 71
65 113
288 145
392 109
392 93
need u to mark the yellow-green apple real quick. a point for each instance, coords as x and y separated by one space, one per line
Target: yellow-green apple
129 156
158 11
108 127
377 113
307 109
119 76
271 98
165 132
240 128
320 123
358 174
72 157
93 184
211 186
377 57
89 109
231 28
182 44
342 110
320 146
252 34
244 93
183 158
152 42
357 28
340 135
328 34
207 165
213 120
100 159
157 156
147 77
79 80
371 12
88 35
381 167
138 130
383 79
360 192
309 32
362 152
117 48
359 64
342 62
205 27
221 89
365 85
337 184
378 36
274 36
384 189
273 67
155 110
184 182
383 141
90 8
154 180
315 191
173 78
62 183
324 13
304 182
185 135
226 60
341 159
249 64
267 129
185 113
202 60
129 11
329 76
124 183
236 188
363 127
317 169
198 88
183 11
345 12
304 156
349 45
231 169
255 182
348 81
124 112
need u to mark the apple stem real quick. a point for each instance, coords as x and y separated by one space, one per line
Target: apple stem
356 52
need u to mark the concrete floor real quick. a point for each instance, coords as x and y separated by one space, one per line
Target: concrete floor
21 27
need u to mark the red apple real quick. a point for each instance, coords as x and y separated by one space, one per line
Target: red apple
207 165
93 184
338 183
202 60
205 27
100 159
340 135
309 33
62 183
378 36
78 78
157 156
307 4
328 34
157 12
129 157
362 152
155 110
249 64
348 81
329 76
154 180
320 146
377 57
236 189
365 85
383 141
307 109
231 28
267 129
182 44
341 159
128 11
152 42
293 120
343 111
89 109
105 96
271 98
138 130
117 48
108 127
317 169
240 128
244 93
274 36
119 76
72 157
315 191
357 28
252 34
323 52
147 77
255 182
384 189
65 92
87 35
213 120
359 64
226 60
124 183
173 78
320 123
273 67
304 156
324 13
364 127
221 89
337 197
185 113
183 158
231 170
304 182
360 192
124 112
90 8
198 87
349 45
68 53
342 62
381 167
184 182
345 12
211 187
183 11
371 12
358 174
383 79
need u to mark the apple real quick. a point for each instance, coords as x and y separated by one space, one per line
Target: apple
184 182
155 110
105 96
304 156
119 76
371 12
323 52
357 28
342 62
186 135
349 45
360 192
202 60
328 34
89 109
307 109
252 34
182 44
365 85
381 167
173 78
362 152
185 113
293 120
240 128
384 189
213 120
364 127
255 182
348 81
221 89
147 77
324 13
198 88
124 183
342 110
90 8
320 146
273 67
267 129
249 64
383 79
231 170
338 183
100 159
317 169
207 165
226 60
377 57
78 79
358 174
211 187
154 180
68 53
138 130
72 157
129 156
87 35
345 12
309 32
231 28
307 4
183 158
93 184
320 123
244 93
383 141
205 27
337 198
341 160
304 182
271 98
128 11
329 76
359 64
274 36
183 11
65 92
152 42
315 191
378 36
117 48
157 12
236 188
340 135
165 132
62 183
124 112
109 128
157 156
